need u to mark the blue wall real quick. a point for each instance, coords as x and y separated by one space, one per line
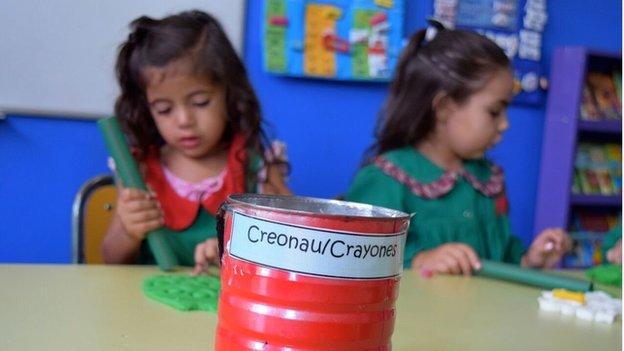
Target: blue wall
326 125
43 162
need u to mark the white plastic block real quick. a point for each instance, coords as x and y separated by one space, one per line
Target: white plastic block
550 305
598 307
603 316
568 308
598 295
585 313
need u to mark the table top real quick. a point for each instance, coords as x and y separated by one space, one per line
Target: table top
93 307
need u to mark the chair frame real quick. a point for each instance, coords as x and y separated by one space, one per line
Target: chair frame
78 213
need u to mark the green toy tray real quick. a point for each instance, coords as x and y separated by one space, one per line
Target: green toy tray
184 292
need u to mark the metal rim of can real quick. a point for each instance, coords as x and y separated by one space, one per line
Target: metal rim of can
330 208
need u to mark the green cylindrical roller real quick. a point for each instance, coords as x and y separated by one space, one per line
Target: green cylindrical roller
131 177
513 273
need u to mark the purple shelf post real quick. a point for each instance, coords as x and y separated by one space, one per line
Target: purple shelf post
559 141
561 132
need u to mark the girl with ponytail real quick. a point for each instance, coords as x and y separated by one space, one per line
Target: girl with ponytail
447 106
194 123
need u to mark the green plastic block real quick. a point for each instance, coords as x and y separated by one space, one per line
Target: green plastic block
606 274
184 292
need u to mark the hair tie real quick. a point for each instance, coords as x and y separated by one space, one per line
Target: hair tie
435 26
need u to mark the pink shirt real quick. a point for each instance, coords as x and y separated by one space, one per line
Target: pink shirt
206 187
194 191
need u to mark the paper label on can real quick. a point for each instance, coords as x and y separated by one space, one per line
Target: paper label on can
316 251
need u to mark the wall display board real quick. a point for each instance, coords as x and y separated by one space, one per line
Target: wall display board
333 39
516 26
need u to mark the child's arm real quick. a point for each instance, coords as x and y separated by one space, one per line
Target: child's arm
614 255
206 255
451 258
137 213
118 247
612 244
275 183
547 249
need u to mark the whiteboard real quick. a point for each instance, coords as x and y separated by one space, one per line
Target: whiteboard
57 56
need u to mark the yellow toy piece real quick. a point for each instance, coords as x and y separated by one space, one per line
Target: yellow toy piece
569 295
384 3
318 60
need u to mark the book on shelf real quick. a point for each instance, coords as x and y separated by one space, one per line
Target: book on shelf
601 97
597 169
614 157
587 221
617 81
589 107
587 230
586 250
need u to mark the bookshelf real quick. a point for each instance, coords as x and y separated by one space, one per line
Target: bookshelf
607 127
564 131
596 200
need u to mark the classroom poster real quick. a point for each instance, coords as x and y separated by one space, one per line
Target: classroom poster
515 25
333 39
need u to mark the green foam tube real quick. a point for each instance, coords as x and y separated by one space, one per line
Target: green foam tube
532 277
131 177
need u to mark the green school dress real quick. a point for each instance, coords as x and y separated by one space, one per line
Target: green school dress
183 242
189 223
468 207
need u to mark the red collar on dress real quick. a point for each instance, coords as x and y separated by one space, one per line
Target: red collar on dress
179 212
492 187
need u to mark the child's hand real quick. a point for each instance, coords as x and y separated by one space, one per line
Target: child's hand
547 249
206 254
614 255
451 258
139 212
275 183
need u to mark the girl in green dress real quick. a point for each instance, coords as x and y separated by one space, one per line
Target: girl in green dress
194 124
447 107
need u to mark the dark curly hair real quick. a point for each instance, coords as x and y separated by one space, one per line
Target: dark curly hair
198 36
456 62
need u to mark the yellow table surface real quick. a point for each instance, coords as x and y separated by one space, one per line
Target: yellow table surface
71 307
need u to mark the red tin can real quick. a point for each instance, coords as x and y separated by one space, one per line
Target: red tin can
308 274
